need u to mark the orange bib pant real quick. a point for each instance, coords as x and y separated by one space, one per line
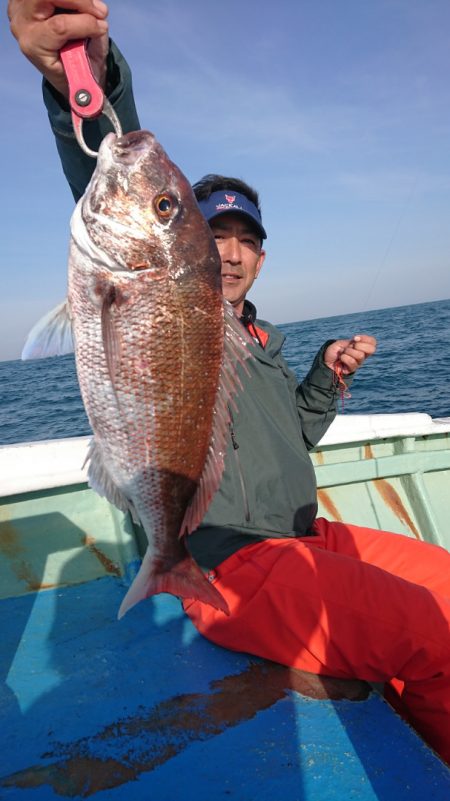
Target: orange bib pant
348 602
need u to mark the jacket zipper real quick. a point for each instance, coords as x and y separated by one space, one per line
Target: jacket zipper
239 467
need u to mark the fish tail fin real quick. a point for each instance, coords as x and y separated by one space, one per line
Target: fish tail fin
51 335
184 580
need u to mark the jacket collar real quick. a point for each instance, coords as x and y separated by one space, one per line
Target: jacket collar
275 339
248 315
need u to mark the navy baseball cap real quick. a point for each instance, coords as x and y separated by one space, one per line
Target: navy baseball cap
227 200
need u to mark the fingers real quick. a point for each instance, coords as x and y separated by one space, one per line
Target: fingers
364 343
63 27
41 33
37 10
355 352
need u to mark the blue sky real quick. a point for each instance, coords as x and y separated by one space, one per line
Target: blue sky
337 111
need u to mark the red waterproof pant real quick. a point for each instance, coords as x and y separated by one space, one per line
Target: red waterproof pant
348 602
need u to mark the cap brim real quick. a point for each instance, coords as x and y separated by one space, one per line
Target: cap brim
254 223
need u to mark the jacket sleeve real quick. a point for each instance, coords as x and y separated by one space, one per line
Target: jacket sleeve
316 399
77 165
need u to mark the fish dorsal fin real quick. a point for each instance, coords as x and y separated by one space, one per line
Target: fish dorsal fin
238 346
100 480
51 335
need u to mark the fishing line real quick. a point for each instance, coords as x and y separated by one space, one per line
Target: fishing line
406 204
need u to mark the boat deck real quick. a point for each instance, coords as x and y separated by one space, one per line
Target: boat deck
148 709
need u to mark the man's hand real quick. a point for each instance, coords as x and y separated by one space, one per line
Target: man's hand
41 34
350 354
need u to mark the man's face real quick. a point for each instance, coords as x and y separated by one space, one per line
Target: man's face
241 254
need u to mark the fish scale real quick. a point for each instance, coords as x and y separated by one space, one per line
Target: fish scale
156 350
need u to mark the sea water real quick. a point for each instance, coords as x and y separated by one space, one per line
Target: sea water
409 373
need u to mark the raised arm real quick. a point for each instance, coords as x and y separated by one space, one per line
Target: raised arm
41 33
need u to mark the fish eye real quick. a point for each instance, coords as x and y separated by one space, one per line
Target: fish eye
164 205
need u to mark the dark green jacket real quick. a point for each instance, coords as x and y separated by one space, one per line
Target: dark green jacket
268 487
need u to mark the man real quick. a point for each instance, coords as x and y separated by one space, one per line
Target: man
330 598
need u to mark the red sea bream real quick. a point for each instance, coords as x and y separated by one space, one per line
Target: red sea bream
156 353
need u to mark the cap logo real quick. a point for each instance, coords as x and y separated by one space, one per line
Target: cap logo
230 198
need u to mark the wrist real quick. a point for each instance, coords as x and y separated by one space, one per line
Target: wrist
59 93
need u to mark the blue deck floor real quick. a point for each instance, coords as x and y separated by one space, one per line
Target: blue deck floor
147 709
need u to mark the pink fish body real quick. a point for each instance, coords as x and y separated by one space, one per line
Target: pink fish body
156 352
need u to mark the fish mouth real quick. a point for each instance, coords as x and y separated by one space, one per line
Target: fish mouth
129 147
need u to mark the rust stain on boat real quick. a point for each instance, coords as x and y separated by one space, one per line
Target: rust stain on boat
24 572
105 561
326 687
36 586
13 550
393 501
368 452
10 545
75 778
320 459
139 744
329 505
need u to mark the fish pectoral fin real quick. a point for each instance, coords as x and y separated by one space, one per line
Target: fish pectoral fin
102 483
51 335
184 580
110 335
238 346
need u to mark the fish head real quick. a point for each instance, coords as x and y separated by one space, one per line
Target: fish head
140 211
